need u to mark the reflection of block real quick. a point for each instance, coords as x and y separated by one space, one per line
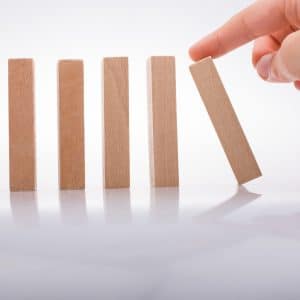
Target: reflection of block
116 123
21 125
163 121
225 121
71 125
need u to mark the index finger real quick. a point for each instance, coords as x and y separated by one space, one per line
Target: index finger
261 18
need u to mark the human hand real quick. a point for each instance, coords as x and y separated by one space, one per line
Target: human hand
274 25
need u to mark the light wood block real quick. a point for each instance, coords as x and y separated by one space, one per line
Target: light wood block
71 125
116 123
225 121
21 125
163 122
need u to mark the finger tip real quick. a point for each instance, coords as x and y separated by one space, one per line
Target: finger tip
297 85
193 53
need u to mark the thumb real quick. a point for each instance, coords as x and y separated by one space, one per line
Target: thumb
284 64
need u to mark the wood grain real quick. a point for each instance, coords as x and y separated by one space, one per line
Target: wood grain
116 123
163 121
21 125
225 121
71 125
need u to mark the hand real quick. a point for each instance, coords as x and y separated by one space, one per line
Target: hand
274 25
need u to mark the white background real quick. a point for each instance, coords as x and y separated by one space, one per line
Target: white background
89 30
206 240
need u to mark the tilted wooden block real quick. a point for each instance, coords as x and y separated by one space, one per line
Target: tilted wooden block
21 125
71 125
116 123
225 121
163 121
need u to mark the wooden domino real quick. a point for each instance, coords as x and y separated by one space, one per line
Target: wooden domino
163 121
225 121
22 164
71 124
116 123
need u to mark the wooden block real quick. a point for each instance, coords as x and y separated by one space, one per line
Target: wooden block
116 123
21 125
225 121
71 125
163 122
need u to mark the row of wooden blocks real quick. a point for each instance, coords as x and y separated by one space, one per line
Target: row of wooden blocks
163 123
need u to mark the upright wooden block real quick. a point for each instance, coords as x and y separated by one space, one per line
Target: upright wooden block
71 125
163 122
21 125
116 123
225 121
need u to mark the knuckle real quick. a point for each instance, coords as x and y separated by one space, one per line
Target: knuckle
289 55
292 12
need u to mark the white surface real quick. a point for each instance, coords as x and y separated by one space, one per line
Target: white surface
194 243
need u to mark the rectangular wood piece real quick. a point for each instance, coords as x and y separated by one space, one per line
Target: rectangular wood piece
21 125
163 121
71 124
225 121
116 123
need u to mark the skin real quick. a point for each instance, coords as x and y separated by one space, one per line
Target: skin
274 26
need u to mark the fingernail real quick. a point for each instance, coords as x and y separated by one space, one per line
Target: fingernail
263 66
